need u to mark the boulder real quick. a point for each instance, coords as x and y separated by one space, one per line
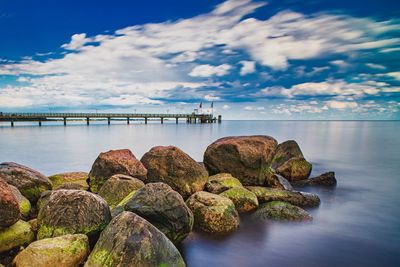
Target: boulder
78 178
28 181
285 151
72 212
326 179
282 211
247 158
65 251
130 240
302 199
243 199
221 182
114 162
118 187
295 169
164 208
72 186
213 213
23 202
170 165
16 235
277 181
9 208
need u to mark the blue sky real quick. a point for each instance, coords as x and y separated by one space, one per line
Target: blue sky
255 60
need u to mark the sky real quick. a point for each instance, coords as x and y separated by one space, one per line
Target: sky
281 59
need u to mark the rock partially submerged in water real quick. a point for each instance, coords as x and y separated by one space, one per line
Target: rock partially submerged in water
295 169
302 199
18 234
68 178
285 151
164 208
29 182
213 213
130 240
72 212
170 165
65 251
277 181
281 211
247 158
115 162
23 202
9 208
221 182
115 189
326 179
243 199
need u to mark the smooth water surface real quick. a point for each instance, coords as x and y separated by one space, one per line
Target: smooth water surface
357 223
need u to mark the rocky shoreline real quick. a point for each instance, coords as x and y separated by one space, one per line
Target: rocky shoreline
131 212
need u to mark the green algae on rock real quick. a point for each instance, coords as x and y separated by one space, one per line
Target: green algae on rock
243 199
115 189
18 234
78 178
295 169
285 151
282 211
302 199
213 213
221 182
72 212
65 251
130 240
163 207
23 203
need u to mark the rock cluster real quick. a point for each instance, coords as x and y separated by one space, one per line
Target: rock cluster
130 212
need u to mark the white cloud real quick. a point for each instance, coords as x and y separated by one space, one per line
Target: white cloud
395 74
375 66
209 70
77 42
341 104
251 108
226 107
247 67
210 97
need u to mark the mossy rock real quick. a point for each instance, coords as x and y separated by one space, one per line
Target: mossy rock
243 199
325 179
295 169
115 189
60 179
221 182
23 203
65 251
9 206
275 180
285 151
18 234
130 240
213 213
302 199
281 211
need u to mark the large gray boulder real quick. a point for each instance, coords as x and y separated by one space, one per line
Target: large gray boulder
247 158
163 207
170 165
130 240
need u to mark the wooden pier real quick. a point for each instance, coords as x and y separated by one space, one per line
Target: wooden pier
143 117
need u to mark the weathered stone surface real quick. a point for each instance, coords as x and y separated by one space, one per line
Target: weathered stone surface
285 151
170 165
221 182
277 181
72 212
78 178
18 234
28 181
283 211
243 199
164 208
65 251
115 162
23 202
213 213
34 225
130 240
9 208
302 199
295 169
118 187
71 186
247 158
326 179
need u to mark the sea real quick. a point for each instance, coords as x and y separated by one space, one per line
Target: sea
357 223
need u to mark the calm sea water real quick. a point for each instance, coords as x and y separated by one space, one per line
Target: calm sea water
357 223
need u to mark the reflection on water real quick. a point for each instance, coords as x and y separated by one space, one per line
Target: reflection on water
357 224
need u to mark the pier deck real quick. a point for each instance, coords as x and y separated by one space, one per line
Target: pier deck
145 117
